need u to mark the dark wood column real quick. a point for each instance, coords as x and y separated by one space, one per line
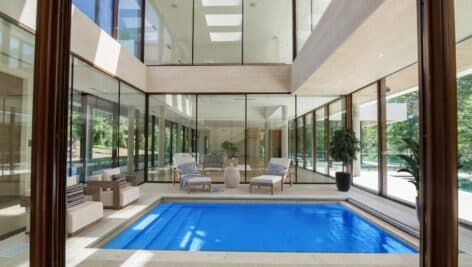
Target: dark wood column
438 133
49 142
382 135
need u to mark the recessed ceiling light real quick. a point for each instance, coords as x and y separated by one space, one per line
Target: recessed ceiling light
223 19
220 2
225 36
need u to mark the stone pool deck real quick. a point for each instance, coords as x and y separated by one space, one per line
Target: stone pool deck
81 250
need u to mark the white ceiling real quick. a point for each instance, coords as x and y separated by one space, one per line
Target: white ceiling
384 43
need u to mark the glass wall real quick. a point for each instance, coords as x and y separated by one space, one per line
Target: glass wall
308 141
100 11
172 122
463 12
308 15
402 123
217 32
95 117
16 98
131 135
267 31
268 119
129 25
365 170
336 121
320 139
168 32
303 22
221 134
300 142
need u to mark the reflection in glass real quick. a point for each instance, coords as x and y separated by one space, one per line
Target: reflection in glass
365 126
221 134
98 95
464 127
267 31
309 141
217 33
16 98
172 121
168 32
131 137
320 135
402 122
300 142
268 122
100 11
336 120
303 21
129 25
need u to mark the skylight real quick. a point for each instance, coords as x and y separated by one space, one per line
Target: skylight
225 36
223 19
208 3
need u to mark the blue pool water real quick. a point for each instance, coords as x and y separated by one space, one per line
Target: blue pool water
256 227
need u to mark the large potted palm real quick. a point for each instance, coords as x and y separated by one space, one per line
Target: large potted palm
411 165
343 147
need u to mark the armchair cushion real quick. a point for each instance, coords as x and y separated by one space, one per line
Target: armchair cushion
82 215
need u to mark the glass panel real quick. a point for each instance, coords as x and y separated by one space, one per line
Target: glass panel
365 125
100 11
16 100
221 134
169 114
402 122
303 11
321 149
131 132
217 32
291 142
463 13
309 141
168 32
318 8
267 31
300 142
129 25
100 115
268 122
336 117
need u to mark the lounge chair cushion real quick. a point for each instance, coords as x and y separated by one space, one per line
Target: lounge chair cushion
266 179
275 169
127 195
82 215
199 180
188 168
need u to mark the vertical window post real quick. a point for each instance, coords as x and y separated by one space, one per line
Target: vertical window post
49 133
438 133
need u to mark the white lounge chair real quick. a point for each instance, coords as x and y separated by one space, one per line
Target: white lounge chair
277 172
188 175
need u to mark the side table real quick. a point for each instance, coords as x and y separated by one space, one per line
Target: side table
232 177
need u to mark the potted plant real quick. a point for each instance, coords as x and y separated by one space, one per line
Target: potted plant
343 147
411 165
